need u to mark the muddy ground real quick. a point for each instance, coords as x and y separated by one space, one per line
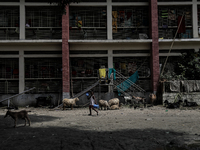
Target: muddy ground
153 128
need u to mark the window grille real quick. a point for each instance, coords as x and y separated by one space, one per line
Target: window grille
9 52
41 1
9 68
9 23
9 73
175 51
42 52
44 86
88 52
129 0
43 23
93 0
128 65
88 23
171 65
174 0
169 18
130 22
198 11
50 68
9 87
84 72
80 84
10 0
130 51
145 84
87 67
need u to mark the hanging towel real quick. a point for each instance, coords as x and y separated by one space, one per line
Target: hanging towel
114 20
112 70
182 25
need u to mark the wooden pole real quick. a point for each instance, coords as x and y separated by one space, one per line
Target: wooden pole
172 45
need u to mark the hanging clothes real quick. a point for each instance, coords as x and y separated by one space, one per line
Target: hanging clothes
112 70
172 15
114 21
122 16
102 73
182 24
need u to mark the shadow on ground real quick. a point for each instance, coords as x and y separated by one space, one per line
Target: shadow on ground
74 138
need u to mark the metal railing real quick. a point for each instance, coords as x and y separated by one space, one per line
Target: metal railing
133 87
8 99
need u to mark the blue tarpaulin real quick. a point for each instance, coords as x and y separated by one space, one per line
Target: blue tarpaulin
126 84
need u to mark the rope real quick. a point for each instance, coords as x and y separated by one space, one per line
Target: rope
172 45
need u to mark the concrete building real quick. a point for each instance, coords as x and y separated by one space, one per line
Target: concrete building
61 55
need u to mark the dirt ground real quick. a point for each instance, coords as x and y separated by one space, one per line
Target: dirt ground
153 128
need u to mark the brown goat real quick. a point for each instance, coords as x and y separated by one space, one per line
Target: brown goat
18 115
152 98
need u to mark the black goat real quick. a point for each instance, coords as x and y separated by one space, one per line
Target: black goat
189 104
172 105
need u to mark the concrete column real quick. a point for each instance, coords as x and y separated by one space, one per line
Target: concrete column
21 71
155 45
22 20
109 20
110 65
110 59
65 55
195 19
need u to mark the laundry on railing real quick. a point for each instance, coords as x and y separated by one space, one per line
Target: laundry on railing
102 73
110 71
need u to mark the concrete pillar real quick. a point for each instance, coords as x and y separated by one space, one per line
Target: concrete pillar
155 45
110 59
22 20
21 71
195 19
110 65
109 20
65 55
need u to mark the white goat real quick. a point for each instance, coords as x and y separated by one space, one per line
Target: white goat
114 101
114 107
103 103
69 102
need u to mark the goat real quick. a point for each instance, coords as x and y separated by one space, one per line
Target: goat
17 115
189 104
69 102
114 107
114 101
104 103
172 105
138 100
152 98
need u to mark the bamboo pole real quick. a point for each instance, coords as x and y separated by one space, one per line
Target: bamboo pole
172 45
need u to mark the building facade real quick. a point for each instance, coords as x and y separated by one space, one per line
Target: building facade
61 55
